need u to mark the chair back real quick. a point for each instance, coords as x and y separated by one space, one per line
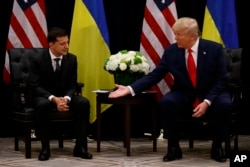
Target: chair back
233 63
19 59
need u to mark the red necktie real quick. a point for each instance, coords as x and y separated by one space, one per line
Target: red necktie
191 67
192 73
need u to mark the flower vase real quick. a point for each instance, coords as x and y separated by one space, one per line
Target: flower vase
126 78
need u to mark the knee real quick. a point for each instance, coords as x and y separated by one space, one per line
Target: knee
227 107
224 110
42 104
166 106
83 103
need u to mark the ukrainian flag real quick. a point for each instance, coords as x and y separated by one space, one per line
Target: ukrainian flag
220 23
89 41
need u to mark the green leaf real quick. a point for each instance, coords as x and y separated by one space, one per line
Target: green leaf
137 60
123 51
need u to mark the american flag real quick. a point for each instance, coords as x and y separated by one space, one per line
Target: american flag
28 28
159 16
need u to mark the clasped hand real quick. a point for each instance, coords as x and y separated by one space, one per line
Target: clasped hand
61 103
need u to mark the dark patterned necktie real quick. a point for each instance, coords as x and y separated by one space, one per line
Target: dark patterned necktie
58 67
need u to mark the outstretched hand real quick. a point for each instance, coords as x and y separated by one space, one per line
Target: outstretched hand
120 91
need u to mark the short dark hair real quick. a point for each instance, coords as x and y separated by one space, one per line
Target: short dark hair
56 32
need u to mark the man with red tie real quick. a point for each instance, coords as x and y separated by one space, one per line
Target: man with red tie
200 79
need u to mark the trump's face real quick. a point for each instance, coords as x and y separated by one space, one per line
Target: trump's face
183 39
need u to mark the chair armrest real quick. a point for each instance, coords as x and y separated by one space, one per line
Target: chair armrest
21 90
236 91
79 87
234 87
20 97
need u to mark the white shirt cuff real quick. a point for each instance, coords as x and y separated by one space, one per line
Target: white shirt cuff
131 90
50 97
208 102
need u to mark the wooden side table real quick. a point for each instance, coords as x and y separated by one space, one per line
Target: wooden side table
148 98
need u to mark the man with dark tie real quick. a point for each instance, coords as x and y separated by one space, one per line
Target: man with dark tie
53 77
200 77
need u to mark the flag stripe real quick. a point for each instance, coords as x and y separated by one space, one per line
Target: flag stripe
89 42
154 58
156 28
39 11
28 28
156 47
169 17
29 23
219 22
19 34
38 31
170 14
9 44
157 34
96 9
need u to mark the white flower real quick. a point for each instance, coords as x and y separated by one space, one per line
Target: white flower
123 66
127 61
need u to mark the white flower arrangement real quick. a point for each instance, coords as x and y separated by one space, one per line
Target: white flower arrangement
127 61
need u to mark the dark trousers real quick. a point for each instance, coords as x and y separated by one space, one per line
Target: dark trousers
175 105
78 104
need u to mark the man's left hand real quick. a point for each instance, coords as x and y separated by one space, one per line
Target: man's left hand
200 110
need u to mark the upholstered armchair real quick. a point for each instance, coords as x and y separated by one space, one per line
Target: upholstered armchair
234 65
23 114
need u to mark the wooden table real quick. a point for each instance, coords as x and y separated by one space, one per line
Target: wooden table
145 98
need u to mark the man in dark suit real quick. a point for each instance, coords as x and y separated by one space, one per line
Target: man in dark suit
53 86
206 94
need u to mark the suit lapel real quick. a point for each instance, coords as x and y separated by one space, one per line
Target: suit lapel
201 59
48 64
183 64
64 67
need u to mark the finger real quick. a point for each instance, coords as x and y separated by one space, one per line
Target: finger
196 114
112 95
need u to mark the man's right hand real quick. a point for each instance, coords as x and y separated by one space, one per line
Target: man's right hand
61 104
120 91
62 107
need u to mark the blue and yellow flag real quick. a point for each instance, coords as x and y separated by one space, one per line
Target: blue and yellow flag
220 23
89 41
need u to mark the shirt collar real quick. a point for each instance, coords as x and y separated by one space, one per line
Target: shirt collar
52 56
195 46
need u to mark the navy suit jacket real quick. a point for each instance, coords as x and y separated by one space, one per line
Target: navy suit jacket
211 71
42 77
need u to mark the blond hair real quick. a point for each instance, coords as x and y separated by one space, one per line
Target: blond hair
189 25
